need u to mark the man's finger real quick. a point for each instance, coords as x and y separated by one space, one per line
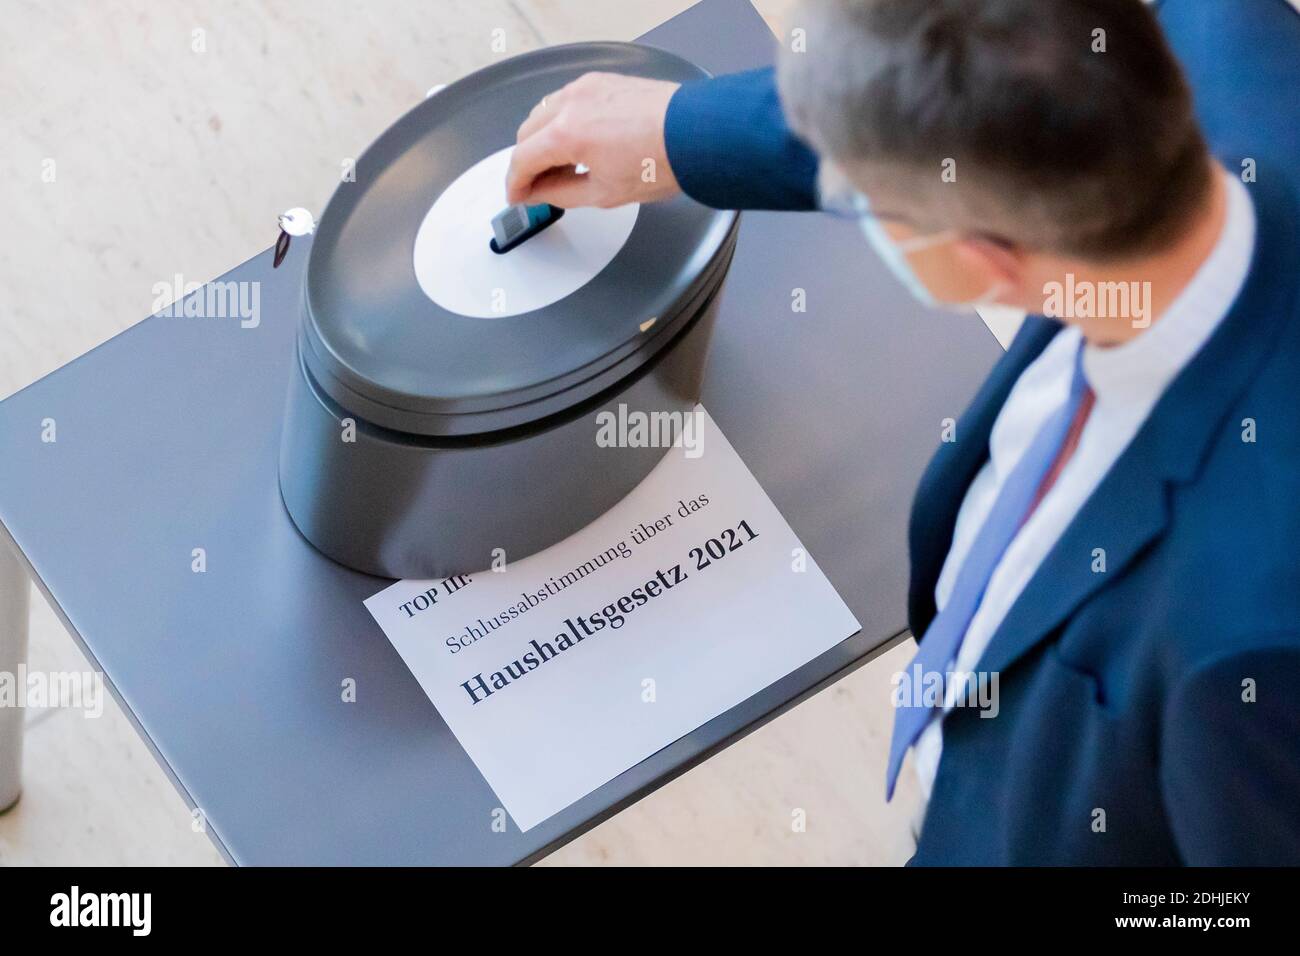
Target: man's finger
532 157
541 114
563 188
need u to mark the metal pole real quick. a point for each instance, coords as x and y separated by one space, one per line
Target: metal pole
15 590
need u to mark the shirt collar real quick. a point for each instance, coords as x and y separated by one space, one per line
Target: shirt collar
1129 378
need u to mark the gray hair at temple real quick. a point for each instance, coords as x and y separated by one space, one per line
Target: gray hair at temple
1051 144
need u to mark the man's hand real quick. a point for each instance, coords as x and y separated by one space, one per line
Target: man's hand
609 123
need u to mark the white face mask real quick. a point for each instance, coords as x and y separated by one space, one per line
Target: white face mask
894 253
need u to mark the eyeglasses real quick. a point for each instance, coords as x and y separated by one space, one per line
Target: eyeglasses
838 197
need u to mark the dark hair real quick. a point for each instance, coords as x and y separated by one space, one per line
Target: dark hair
1067 122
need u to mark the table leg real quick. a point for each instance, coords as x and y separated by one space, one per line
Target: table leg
15 590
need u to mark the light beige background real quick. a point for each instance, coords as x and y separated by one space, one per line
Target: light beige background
170 161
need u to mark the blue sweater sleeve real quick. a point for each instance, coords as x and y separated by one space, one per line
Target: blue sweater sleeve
730 148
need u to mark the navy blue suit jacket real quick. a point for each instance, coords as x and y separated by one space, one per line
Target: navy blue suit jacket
1150 713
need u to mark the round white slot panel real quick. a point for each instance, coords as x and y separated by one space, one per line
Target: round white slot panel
458 270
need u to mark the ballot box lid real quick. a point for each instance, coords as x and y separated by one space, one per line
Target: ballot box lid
412 323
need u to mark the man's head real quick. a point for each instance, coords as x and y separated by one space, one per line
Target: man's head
1006 132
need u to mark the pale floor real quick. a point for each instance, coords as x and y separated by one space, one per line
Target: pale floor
169 161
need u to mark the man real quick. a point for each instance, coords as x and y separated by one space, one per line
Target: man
1114 531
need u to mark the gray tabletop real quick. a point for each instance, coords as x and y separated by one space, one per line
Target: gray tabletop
167 440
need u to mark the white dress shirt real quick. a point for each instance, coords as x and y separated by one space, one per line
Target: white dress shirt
1127 380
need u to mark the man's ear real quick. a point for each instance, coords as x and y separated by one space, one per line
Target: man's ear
999 265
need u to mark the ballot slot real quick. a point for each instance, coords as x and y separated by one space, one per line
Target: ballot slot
515 225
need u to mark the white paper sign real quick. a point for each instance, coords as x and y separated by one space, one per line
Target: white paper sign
568 667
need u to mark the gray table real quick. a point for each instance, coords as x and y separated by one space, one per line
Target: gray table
166 441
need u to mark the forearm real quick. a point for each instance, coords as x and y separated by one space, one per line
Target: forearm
729 146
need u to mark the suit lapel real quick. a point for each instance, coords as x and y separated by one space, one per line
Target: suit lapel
1128 510
1131 506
